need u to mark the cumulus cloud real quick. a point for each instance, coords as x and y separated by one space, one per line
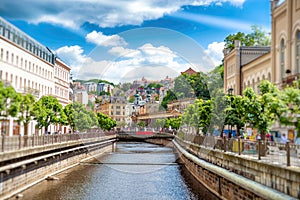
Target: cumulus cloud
103 13
105 40
124 52
130 64
73 56
215 52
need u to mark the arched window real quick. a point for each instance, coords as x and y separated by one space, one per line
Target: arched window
298 52
282 58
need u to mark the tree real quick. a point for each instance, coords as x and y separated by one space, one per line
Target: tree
173 122
105 122
160 123
170 96
257 37
141 124
9 101
290 114
236 112
47 111
218 114
198 115
79 118
260 110
26 111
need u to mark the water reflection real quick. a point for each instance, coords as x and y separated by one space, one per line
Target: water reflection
134 171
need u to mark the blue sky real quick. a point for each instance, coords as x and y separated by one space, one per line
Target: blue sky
123 40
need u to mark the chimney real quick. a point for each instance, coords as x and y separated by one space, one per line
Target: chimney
237 43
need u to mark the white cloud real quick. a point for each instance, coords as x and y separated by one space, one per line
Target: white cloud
73 56
215 52
153 62
147 60
105 40
101 12
124 52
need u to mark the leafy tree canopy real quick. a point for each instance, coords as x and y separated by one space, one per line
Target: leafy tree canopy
257 37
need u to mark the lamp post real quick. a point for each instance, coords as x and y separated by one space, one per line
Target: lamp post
230 90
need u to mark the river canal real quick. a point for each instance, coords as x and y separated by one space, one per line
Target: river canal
134 171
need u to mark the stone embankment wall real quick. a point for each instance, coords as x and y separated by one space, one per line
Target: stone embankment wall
18 176
229 176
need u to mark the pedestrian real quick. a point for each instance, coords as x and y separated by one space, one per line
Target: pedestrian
283 138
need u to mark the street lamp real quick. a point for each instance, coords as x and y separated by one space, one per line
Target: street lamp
230 90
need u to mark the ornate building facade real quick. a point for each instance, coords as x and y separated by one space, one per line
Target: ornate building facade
279 63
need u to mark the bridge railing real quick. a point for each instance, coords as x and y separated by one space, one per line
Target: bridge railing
18 142
273 152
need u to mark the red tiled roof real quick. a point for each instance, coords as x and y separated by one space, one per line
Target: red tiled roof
189 71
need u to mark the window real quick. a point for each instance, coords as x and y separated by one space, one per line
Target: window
298 52
7 55
282 58
12 58
16 81
17 60
1 54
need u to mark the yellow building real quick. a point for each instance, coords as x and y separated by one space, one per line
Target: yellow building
279 63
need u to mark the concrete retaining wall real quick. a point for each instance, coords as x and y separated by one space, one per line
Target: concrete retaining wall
17 177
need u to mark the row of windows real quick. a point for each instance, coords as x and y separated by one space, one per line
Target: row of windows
24 64
254 84
116 113
283 56
61 92
21 39
24 85
117 107
61 73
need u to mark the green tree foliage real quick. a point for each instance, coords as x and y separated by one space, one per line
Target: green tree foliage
218 114
260 109
160 123
156 86
198 115
141 124
174 122
105 122
26 111
79 118
170 96
10 101
257 37
215 79
236 112
290 115
189 86
47 110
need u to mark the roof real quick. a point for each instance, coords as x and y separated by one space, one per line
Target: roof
189 71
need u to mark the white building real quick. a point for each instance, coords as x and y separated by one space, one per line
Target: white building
90 86
28 66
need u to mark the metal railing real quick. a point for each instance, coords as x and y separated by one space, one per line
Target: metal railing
18 142
287 154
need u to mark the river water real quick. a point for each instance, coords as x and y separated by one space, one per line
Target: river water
135 171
